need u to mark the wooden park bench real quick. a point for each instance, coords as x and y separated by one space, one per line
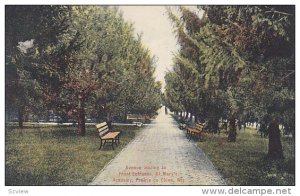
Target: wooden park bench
196 132
138 117
107 136
138 124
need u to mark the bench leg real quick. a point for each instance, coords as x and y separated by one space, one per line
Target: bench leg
112 144
118 140
187 134
193 136
115 141
100 144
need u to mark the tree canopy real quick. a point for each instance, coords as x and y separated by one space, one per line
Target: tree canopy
238 60
83 61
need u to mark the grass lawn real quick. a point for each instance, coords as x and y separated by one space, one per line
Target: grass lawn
244 163
57 155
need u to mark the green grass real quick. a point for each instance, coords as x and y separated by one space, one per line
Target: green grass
57 155
244 162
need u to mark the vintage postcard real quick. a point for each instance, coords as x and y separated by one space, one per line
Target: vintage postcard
150 95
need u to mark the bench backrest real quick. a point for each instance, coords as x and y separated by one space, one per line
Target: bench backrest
200 126
102 128
137 116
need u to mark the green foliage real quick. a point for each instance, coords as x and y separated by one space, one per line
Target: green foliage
244 56
27 24
84 60
190 64
245 59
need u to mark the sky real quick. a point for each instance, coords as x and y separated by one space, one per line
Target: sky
153 23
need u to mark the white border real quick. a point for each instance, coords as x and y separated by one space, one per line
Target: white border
121 190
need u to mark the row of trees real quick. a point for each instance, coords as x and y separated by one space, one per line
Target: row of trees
235 62
77 61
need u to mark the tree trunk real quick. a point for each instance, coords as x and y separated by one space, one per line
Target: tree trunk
20 117
215 125
26 117
239 125
47 117
186 115
81 116
196 118
275 147
108 119
64 118
232 130
192 116
125 114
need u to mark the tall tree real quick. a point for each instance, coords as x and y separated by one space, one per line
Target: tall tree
203 102
26 27
246 58
91 63
262 40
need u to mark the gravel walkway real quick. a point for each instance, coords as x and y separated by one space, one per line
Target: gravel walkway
160 155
